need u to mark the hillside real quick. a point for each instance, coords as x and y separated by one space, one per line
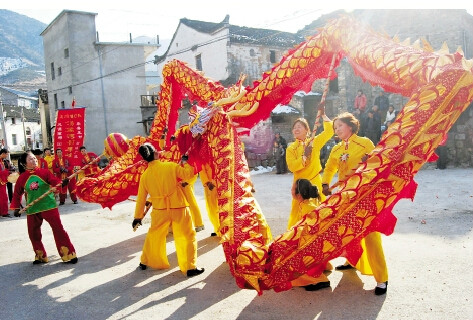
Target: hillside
22 48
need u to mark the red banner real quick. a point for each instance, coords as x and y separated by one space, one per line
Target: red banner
69 132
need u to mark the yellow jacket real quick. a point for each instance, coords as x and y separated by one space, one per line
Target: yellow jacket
294 152
345 157
160 181
49 161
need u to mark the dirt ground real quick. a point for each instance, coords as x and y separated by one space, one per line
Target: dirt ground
429 256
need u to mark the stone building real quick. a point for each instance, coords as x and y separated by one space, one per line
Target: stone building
108 78
223 52
20 121
454 27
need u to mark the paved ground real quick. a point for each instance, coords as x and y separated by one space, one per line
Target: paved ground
430 260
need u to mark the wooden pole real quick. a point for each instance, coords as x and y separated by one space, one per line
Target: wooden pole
59 184
321 108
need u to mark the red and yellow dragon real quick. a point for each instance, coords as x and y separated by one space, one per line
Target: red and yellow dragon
440 87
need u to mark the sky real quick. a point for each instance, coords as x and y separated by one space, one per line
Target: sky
115 20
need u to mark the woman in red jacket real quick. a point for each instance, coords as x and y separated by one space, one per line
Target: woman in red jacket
34 182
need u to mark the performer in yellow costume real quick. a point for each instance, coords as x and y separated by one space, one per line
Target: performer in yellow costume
188 190
345 157
307 197
48 157
211 201
303 163
160 181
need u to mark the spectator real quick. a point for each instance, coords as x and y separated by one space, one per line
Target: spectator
279 156
390 116
383 103
283 144
360 101
11 168
4 173
371 126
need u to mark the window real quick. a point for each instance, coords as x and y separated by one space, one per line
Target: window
198 62
55 100
13 139
62 104
66 53
59 71
333 85
272 56
13 120
53 75
252 52
70 89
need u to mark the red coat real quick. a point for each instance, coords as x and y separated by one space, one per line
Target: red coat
43 164
84 160
62 167
360 102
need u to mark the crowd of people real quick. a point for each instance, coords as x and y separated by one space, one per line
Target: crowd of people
41 179
167 188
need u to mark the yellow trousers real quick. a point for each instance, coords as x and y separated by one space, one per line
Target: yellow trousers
211 203
154 249
193 206
372 260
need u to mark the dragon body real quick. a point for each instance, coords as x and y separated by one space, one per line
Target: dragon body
440 87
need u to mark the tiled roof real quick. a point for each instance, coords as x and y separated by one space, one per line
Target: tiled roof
31 115
246 35
29 95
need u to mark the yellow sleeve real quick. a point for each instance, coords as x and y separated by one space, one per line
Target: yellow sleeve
322 138
294 157
331 166
185 171
141 199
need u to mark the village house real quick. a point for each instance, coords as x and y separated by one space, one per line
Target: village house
80 66
108 78
450 27
20 121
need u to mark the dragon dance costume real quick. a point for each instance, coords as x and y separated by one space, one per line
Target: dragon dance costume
188 190
34 183
62 168
345 157
309 170
160 182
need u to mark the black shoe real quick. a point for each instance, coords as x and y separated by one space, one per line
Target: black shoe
38 262
344 267
73 260
317 286
61 203
6 215
75 202
142 266
213 234
380 291
195 272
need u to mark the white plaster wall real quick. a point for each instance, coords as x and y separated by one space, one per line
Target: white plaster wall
106 78
17 129
211 47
